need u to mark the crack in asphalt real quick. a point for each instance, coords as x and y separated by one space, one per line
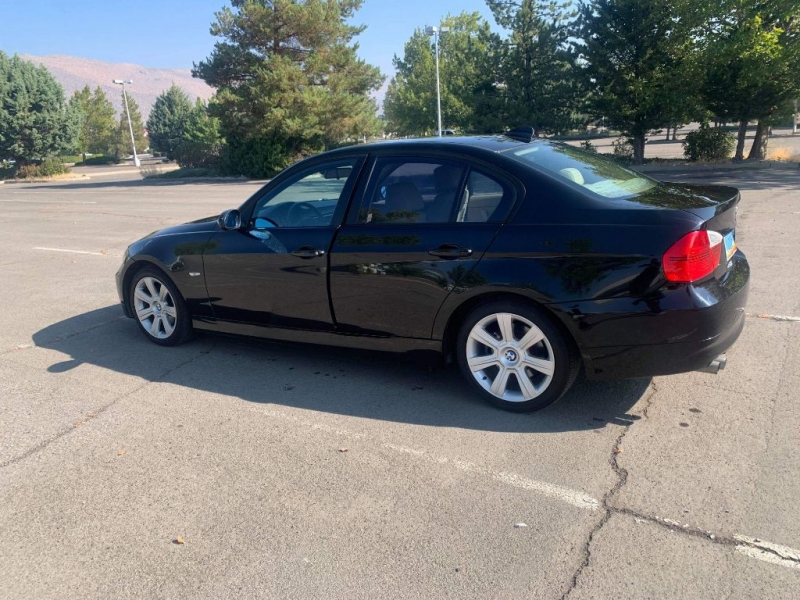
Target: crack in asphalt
622 479
90 416
735 541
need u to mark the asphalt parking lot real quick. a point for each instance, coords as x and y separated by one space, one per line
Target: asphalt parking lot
231 468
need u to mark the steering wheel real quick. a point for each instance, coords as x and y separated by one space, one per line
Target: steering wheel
293 215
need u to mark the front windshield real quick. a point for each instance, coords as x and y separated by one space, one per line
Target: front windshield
591 171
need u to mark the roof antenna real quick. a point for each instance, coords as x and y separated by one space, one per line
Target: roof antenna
521 134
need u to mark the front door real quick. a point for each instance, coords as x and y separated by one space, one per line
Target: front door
273 271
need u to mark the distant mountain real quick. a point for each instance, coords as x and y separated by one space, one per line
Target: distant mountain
73 73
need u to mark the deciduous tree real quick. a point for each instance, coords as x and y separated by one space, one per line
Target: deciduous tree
468 65
122 142
98 122
752 59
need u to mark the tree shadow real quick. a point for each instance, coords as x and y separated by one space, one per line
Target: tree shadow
368 385
142 183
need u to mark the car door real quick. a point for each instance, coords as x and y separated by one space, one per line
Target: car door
413 240
273 271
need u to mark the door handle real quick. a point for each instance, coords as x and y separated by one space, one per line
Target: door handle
308 252
450 251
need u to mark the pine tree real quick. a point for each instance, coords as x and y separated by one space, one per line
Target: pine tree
637 59
288 79
539 69
168 119
35 120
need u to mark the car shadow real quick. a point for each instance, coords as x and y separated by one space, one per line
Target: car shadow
363 384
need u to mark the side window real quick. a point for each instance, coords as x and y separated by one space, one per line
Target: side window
485 199
309 199
412 191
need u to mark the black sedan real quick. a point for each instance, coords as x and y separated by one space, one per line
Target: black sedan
519 259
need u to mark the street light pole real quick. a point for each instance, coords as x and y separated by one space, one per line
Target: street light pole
435 31
122 82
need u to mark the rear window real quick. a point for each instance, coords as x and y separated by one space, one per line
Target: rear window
589 170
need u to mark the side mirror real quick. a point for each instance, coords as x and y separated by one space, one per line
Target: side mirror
230 220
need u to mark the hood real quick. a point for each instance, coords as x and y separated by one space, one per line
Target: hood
208 224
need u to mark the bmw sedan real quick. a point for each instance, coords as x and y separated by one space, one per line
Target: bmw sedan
521 260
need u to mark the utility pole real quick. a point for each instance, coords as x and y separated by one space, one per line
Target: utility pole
122 82
435 31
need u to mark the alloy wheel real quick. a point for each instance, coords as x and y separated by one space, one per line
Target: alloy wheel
510 357
155 308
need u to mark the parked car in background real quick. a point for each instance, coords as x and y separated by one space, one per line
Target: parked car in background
522 260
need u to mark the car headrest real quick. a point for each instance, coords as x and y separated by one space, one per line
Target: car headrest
403 196
572 174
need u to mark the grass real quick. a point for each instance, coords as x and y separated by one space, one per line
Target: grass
783 154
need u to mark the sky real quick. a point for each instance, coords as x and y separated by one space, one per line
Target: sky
175 33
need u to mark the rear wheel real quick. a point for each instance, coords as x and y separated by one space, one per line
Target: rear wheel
515 356
159 309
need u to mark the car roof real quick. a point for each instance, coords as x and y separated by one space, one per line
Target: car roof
491 143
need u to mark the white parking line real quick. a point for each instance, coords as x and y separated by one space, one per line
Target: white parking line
752 547
564 494
768 552
71 251
774 317
28 201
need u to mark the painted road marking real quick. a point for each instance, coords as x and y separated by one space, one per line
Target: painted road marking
26 201
748 546
564 494
774 317
71 251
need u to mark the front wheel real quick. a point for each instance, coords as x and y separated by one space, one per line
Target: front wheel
515 356
159 309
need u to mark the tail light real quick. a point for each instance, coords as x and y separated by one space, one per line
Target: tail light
692 257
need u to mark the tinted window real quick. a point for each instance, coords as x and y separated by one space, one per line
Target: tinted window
589 170
308 199
485 199
412 191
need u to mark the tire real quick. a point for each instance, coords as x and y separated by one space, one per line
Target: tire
515 357
158 308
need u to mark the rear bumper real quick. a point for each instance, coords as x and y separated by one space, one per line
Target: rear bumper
676 330
619 362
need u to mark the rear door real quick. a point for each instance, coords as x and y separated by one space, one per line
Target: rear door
415 237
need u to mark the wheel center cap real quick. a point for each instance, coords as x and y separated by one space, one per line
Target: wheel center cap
511 356
157 307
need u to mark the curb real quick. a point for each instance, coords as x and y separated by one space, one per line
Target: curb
49 180
744 166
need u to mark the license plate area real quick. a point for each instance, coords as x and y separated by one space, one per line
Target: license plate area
730 245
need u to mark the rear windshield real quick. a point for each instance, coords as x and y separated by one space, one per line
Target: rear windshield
589 170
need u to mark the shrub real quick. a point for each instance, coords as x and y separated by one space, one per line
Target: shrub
623 148
103 159
49 167
708 144
588 146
